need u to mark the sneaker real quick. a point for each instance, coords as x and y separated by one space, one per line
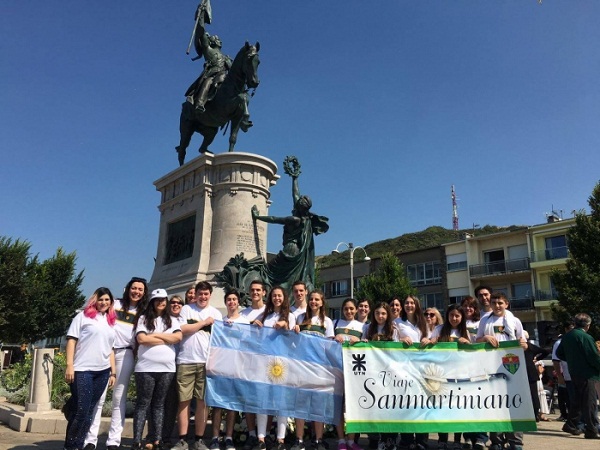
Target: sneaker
298 445
342 446
89 446
181 445
479 445
200 445
214 444
318 445
250 443
229 444
355 446
381 446
571 430
280 446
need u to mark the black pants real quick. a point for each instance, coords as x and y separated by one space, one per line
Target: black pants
152 388
583 404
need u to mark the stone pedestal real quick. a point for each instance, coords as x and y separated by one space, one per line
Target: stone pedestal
205 217
41 381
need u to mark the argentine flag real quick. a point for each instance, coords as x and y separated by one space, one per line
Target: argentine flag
268 371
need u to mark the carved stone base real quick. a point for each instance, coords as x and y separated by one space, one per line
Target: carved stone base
205 217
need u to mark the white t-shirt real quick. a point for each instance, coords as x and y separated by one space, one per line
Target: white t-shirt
472 327
379 335
437 331
238 319
503 328
95 341
407 329
124 325
273 318
349 328
298 311
564 368
328 325
253 314
194 347
156 358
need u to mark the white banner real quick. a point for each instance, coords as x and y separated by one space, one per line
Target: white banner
448 387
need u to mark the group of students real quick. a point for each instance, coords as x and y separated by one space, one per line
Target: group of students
171 342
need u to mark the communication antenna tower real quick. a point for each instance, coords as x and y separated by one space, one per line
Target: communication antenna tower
454 211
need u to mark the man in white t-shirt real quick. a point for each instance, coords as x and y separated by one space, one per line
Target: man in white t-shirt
299 292
191 363
496 327
252 312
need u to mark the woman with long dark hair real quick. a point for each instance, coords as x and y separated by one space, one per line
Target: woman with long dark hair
381 326
277 315
90 363
135 297
157 334
412 328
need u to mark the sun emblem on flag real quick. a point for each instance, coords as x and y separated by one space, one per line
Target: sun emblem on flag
276 370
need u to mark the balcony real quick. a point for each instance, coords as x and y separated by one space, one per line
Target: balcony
549 254
499 267
521 304
546 295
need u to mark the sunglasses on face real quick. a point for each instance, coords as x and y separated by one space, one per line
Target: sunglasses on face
176 303
429 314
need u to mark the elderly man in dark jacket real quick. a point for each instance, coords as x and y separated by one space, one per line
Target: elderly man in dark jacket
579 350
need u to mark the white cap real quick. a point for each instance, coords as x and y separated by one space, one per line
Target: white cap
159 293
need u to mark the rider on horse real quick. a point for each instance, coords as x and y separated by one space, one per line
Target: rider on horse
215 68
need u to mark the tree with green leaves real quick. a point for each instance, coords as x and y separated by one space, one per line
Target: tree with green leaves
579 285
37 298
389 280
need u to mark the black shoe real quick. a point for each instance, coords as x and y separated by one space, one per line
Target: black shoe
571 430
591 435
250 443
89 446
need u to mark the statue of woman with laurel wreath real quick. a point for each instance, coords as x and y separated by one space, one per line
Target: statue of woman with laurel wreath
296 261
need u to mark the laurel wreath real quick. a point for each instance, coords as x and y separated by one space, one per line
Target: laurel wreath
291 166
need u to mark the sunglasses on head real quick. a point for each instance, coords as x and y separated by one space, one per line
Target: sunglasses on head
137 280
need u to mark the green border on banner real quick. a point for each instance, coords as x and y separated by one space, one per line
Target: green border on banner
399 426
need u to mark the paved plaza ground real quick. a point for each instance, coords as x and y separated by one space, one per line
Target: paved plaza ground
548 437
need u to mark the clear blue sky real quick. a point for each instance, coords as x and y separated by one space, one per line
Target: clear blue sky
386 104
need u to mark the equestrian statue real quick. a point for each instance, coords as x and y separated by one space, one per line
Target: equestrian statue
219 96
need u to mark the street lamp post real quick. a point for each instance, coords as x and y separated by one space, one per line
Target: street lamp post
352 249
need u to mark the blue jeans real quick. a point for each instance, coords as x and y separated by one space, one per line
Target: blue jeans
86 390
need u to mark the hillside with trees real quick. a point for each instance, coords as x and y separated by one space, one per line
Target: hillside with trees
430 237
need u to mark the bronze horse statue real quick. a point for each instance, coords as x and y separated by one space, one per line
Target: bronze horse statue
230 104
